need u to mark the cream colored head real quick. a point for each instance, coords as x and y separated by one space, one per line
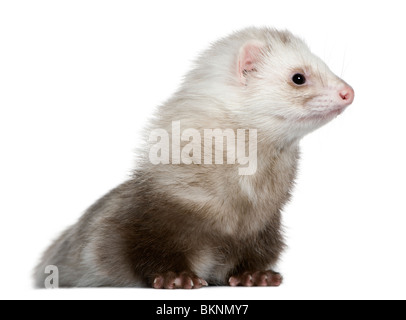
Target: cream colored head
271 81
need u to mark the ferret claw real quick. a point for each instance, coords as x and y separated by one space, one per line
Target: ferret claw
258 279
183 280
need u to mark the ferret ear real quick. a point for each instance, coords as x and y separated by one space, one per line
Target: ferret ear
250 55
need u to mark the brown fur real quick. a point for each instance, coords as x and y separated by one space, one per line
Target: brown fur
149 233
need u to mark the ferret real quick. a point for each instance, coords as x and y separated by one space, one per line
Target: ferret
189 224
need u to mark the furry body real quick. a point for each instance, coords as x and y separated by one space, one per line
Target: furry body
202 221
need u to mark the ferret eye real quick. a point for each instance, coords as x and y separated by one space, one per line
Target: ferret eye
299 79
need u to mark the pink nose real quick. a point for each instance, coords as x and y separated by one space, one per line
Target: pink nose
347 94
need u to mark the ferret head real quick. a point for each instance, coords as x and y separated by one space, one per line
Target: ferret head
272 82
286 87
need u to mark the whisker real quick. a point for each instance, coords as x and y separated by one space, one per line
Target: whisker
344 66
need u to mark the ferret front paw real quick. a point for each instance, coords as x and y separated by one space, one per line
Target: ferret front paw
256 279
184 280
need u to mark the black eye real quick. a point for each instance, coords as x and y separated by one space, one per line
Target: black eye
299 79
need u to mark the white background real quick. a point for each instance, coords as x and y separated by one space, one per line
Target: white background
78 80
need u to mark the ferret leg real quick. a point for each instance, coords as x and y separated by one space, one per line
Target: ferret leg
256 279
184 280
